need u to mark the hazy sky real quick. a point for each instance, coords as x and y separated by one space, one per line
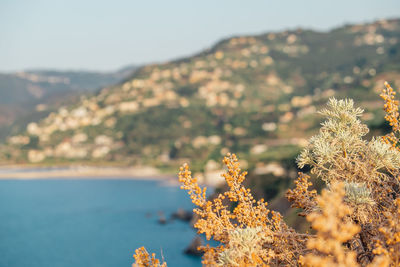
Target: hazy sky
106 35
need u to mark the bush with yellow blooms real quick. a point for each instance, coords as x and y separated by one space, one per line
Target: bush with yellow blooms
355 220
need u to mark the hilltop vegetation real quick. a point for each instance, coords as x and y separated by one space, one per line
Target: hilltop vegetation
255 95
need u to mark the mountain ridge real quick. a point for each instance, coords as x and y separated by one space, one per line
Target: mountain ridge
23 93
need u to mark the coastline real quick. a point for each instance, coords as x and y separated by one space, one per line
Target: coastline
83 172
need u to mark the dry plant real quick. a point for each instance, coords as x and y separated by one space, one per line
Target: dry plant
250 234
369 171
388 243
143 259
391 108
332 231
356 219
334 228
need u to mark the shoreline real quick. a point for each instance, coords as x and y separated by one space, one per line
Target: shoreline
83 172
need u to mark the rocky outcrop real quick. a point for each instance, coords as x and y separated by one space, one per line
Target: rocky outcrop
182 215
193 248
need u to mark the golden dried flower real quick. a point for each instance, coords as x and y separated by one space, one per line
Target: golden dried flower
250 234
143 259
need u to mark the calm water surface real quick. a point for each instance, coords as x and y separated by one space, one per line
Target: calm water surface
85 223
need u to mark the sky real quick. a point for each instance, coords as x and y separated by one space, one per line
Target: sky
106 35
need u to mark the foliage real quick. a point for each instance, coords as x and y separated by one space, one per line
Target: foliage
143 259
355 219
391 108
249 235
332 231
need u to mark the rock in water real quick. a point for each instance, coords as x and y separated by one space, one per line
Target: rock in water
161 218
182 215
192 249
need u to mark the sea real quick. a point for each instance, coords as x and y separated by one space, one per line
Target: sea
91 222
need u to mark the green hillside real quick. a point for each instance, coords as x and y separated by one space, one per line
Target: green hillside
256 96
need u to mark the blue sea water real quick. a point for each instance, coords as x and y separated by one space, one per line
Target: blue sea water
90 222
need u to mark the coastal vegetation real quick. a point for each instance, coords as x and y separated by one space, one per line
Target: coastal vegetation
354 219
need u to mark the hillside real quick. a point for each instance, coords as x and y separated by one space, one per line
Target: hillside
252 95
21 92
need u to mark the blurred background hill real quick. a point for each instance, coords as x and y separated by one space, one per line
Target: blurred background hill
30 95
253 95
